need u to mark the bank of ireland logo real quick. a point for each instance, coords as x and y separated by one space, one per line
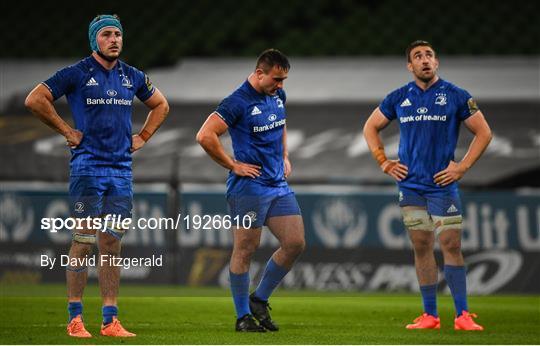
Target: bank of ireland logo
422 110
79 207
340 222
16 218
272 117
111 92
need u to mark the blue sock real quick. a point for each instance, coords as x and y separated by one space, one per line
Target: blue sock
74 309
429 298
240 293
457 281
272 276
108 312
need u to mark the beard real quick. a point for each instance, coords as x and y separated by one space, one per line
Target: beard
426 78
108 58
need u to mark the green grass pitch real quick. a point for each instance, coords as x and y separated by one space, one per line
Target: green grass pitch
36 314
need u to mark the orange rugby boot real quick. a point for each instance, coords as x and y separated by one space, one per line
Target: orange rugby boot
425 322
76 328
465 322
115 329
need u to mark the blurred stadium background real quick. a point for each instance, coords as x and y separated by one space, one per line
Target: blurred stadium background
346 56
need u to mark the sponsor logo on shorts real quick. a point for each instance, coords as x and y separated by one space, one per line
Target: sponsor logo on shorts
79 207
252 215
452 209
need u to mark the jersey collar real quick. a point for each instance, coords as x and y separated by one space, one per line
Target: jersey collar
252 90
433 86
96 64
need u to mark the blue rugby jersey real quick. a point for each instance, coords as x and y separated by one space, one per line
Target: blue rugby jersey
256 122
429 127
101 103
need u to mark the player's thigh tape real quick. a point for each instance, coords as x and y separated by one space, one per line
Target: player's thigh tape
84 238
116 232
443 223
416 220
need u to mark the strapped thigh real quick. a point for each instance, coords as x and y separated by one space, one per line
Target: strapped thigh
442 223
416 219
84 238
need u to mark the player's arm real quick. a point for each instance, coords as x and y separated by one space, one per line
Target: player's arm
208 138
287 164
375 123
159 108
478 125
40 102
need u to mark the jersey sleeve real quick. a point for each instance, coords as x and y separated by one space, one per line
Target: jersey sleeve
144 87
387 106
62 82
230 110
466 105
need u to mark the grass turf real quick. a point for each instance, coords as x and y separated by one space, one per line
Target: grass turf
173 315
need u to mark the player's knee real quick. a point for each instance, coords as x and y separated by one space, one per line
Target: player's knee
245 249
247 245
109 245
295 247
422 246
242 256
451 245
81 249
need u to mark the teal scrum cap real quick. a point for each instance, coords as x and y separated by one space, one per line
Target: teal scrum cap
100 22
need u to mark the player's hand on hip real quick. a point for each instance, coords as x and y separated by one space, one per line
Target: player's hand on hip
287 168
452 173
243 169
136 143
395 169
73 138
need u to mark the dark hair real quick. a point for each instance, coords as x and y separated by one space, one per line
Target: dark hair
415 44
270 58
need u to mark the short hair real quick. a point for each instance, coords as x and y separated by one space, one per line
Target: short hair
415 44
270 58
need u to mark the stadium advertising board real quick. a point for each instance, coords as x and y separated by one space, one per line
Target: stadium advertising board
371 269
